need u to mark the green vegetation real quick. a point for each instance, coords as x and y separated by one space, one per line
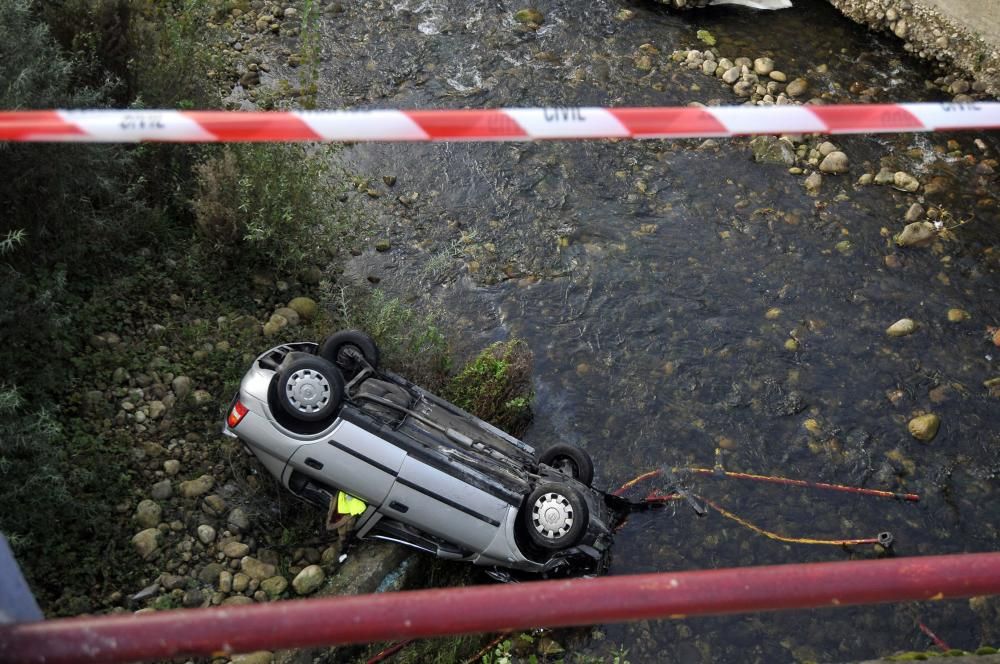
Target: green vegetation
496 386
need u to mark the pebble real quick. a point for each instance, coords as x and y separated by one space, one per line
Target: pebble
257 569
147 513
778 76
235 549
901 328
731 75
225 581
196 487
797 88
171 467
257 657
274 586
275 324
241 582
238 519
308 580
958 315
905 181
924 427
206 534
162 490
826 147
763 66
201 397
146 542
210 573
834 162
914 213
917 234
866 179
814 182
214 505
529 17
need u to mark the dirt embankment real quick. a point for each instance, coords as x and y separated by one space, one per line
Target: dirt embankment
964 34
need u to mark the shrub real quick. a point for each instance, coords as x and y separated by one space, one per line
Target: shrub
496 386
265 205
409 342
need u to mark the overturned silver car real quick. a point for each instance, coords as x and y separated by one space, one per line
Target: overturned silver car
324 418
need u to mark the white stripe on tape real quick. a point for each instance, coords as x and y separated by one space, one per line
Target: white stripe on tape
953 115
363 125
584 122
137 126
767 119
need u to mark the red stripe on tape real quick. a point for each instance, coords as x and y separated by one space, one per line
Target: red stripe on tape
254 126
467 124
674 121
871 117
16 126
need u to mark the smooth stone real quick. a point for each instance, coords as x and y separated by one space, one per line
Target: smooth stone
835 162
924 427
309 579
917 234
905 181
196 487
901 328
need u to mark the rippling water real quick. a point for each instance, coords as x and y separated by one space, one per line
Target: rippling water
641 275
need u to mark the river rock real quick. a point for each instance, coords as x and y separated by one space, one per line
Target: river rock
274 586
743 88
210 573
924 427
181 385
731 75
834 162
237 600
161 490
529 17
905 181
797 88
257 569
171 467
958 315
235 549
763 66
914 213
206 533
902 328
291 315
308 580
146 542
771 150
173 581
192 598
884 176
201 397
148 513
196 487
241 582
238 519
917 234
813 183
305 307
213 505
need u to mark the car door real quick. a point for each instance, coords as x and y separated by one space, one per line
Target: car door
351 459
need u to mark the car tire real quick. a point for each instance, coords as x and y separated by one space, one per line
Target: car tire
336 349
555 516
570 460
309 388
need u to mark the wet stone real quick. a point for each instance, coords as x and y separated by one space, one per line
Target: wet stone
917 234
901 328
905 181
914 213
924 427
835 162
308 580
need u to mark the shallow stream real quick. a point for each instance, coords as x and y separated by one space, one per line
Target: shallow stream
659 284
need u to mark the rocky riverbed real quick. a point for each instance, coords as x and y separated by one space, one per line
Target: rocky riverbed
796 305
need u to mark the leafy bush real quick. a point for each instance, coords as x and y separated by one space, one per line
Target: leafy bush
265 205
409 342
496 386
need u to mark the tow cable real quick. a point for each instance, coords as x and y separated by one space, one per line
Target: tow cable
676 491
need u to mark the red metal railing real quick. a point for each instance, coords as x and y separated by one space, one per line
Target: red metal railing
430 613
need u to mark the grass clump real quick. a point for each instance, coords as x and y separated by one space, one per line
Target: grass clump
265 205
496 386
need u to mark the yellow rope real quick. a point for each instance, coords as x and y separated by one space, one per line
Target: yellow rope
781 538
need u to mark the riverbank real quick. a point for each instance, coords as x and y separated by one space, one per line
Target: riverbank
962 34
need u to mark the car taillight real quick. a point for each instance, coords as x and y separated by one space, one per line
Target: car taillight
236 414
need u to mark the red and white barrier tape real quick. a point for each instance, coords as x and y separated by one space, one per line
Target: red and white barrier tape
517 124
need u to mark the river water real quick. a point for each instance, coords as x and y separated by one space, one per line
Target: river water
642 275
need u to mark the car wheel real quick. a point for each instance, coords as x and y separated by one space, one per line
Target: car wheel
345 349
556 516
570 460
309 388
